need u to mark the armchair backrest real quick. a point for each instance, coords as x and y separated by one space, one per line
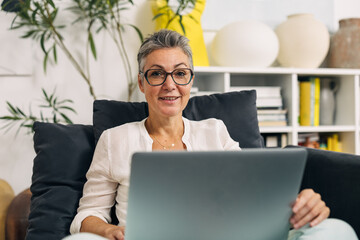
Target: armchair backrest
64 153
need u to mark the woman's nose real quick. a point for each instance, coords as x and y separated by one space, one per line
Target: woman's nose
169 82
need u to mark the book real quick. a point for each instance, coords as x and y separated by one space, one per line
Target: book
271 111
316 102
269 102
272 123
305 96
272 117
278 140
309 101
261 91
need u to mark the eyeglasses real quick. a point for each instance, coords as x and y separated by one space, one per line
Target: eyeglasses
157 77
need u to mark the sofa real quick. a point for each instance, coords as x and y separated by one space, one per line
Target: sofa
64 153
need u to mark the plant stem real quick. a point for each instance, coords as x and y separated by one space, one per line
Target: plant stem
58 40
123 53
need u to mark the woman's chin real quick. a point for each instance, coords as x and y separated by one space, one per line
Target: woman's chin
171 112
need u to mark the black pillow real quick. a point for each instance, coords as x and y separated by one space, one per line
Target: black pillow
64 154
335 176
236 109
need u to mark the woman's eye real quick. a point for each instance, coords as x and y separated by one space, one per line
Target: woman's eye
180 74
156 73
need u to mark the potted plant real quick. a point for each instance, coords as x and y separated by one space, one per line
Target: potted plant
39 19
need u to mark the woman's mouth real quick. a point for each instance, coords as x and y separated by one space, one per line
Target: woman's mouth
168 99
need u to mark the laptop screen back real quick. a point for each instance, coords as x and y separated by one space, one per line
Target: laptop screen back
213 195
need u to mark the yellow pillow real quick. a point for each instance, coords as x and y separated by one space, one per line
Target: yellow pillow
192 24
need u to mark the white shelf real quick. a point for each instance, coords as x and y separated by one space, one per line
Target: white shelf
279 70
347 120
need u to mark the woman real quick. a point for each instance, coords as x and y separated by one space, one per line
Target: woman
165 77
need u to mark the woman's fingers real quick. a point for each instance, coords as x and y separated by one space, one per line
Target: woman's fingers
308 208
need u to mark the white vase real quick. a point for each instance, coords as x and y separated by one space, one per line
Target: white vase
304 41
245 44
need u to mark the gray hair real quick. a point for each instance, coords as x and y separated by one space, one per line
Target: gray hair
163 39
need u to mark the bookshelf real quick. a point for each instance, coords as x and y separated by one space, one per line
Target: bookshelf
347 120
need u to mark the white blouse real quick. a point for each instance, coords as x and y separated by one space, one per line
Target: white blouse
108 176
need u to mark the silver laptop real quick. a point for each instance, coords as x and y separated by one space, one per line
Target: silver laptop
242 195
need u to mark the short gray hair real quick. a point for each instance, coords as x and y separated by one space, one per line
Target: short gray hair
163 39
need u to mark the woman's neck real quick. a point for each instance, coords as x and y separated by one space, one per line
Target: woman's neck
165 127
166 133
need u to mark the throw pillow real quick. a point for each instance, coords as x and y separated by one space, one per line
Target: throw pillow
64 154
236 109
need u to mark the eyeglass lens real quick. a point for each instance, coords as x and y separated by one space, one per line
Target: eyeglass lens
157 76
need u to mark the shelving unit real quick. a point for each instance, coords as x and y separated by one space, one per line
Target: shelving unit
347 120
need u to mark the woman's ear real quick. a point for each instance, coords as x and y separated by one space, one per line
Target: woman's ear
140 83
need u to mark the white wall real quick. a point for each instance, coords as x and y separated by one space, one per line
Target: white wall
24 57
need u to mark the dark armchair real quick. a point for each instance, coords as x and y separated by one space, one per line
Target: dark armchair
64 154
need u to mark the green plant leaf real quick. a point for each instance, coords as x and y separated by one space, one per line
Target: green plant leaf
21 112
51 3
191 16
181 25
55 119
138 31
28 34
45 61
92 45
11 108
157 16
65 101
42 42
67 120
54 53
45 94
68 108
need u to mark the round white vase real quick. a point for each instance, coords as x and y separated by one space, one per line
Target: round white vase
304 41
245 44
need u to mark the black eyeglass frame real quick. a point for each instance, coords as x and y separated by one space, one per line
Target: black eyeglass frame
166 75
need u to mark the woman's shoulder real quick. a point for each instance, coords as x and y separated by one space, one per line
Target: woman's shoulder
125 128
206 123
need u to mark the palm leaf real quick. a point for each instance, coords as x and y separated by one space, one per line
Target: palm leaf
92 45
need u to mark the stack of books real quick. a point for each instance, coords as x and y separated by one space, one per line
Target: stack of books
325 141
275 140
269 104
309 101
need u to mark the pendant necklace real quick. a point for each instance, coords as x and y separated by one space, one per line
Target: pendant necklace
164 147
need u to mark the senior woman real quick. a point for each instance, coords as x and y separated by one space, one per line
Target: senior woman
165 77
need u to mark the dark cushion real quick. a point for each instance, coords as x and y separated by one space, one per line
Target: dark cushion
236 109
336 176
64 154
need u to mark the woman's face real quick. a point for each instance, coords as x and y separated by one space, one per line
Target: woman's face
168 99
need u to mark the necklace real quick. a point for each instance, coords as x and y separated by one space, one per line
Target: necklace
164 147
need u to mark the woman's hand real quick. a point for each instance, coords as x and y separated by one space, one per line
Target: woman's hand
113 232
308 208
95 225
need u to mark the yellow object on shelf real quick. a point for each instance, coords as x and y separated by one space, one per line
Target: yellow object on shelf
6 196
305 96
191 22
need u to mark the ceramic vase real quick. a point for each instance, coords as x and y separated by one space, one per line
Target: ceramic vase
304 41
191 21
6 196
245 44
327 101
17 216
345 45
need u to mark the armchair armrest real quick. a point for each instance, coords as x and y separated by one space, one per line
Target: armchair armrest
336 176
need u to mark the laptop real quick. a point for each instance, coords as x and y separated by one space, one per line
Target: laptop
242 195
